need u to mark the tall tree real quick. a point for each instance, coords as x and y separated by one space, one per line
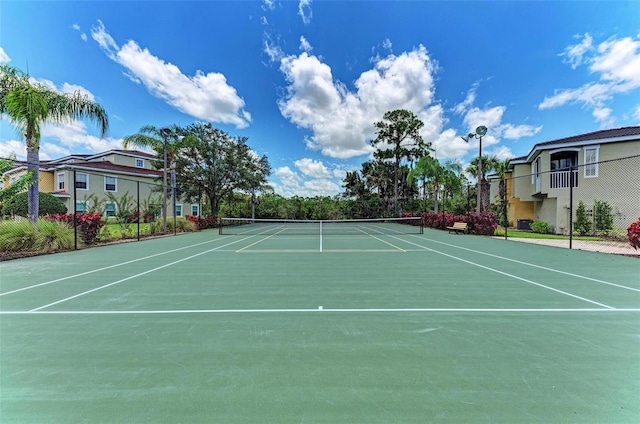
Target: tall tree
399 139
164 141
489 163
28 105
217 164
428 169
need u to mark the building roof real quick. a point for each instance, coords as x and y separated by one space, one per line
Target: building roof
596 135
603 136
108 166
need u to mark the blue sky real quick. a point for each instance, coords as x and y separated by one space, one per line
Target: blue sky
306 80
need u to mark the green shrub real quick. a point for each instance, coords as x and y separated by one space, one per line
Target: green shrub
582 224
541 227
44 236
182 225
602 217
48 204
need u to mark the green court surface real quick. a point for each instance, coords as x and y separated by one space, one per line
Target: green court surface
370 328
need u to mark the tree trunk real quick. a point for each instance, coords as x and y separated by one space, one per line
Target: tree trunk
436 193
33 194
486 196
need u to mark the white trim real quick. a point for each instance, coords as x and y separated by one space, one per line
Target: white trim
115 209
58 181
197 209
179 206
115 183
136 162
588 166
76 182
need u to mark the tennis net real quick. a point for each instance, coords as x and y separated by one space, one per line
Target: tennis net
238 226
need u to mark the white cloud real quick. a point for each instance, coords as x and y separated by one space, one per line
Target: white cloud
615 63
603 116
83 36
502 152
636 113
4 57
387 45
515 132
316 180
203 96
7 147
304 10
574 55
264 21
73 137
342 121
462 107
268 5
272 50
312 168
305 46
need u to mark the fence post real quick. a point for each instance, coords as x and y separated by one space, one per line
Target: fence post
138 202
75 213
571 207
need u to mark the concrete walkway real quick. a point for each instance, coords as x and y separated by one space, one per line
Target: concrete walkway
612 247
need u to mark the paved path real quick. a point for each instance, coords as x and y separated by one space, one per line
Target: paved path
616 248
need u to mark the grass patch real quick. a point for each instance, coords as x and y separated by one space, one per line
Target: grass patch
532 235
44 236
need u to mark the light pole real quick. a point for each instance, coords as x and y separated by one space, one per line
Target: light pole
164 133
480 132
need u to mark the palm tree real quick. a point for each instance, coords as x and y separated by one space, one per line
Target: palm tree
428 169
28 105
501 168
489 163
166 141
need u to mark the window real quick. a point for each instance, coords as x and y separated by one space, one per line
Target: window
60 180
82 181
12 180
110 209
79 207
110 184
139 163
591 162
195 210
178 210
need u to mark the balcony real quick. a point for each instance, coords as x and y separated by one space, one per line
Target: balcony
563 179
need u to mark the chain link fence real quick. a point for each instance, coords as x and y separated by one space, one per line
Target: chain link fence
590 205
97 207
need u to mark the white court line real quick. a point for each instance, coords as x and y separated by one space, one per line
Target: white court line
108 267
137 275
324 310
379 239
508 275
533 265
259 241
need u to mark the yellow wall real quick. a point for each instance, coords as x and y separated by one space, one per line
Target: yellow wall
516 208
47 182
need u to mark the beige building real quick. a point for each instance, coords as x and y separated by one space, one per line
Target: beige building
603 166
115 172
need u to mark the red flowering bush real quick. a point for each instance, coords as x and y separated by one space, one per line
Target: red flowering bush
203 223
89 224
484 223
633 232
442 220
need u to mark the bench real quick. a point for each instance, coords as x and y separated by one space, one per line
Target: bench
457 227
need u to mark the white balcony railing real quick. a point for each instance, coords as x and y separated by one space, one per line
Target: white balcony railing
562 179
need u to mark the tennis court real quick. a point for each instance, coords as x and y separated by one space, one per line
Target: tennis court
378 325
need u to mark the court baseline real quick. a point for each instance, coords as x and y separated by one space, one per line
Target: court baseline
136 275
534 265
506 274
